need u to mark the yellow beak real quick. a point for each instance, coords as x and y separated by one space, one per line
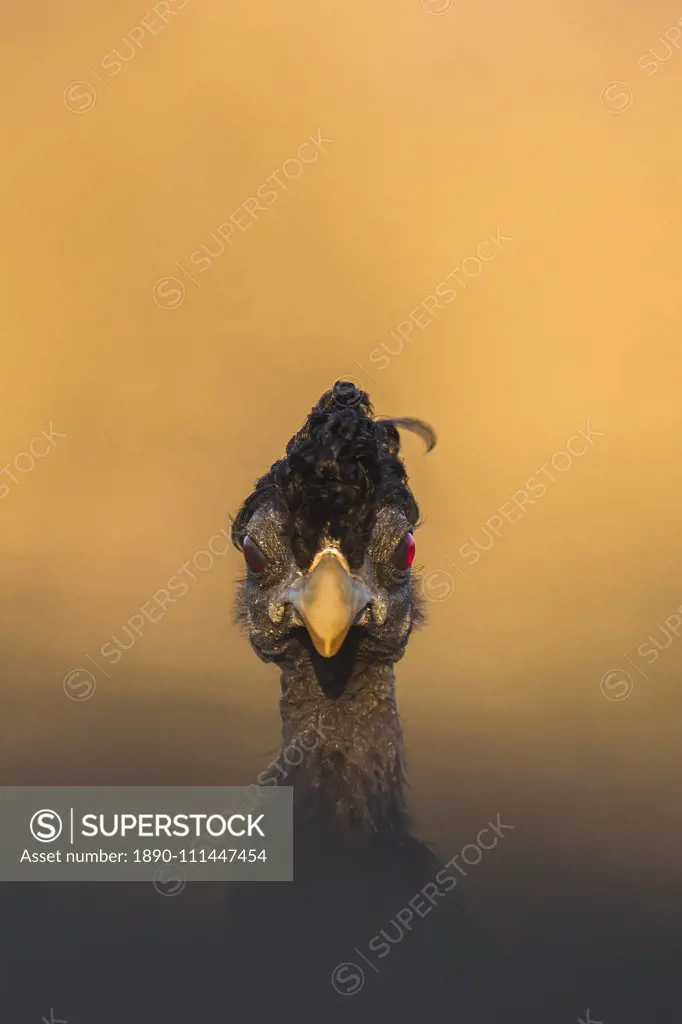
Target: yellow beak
328 599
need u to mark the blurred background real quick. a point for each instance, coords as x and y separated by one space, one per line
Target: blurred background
172 363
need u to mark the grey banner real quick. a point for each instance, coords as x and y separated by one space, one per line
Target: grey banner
162 834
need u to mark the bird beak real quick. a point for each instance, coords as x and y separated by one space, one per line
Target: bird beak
328 599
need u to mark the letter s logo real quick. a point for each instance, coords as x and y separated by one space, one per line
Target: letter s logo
46 826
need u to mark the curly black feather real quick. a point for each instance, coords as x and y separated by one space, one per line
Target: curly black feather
339 469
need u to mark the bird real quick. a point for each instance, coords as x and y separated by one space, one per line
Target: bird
330 597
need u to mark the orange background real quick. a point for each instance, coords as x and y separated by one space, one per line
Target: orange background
444 127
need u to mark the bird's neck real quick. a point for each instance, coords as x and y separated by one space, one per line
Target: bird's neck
343 754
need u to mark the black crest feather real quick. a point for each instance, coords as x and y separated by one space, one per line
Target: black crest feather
339 469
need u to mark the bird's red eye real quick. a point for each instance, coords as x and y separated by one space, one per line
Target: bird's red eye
254 557
404 554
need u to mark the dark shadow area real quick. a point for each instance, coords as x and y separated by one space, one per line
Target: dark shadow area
100 953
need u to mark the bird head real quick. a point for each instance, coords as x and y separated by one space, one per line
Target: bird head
327 539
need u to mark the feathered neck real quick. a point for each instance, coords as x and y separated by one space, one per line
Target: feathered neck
342 752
